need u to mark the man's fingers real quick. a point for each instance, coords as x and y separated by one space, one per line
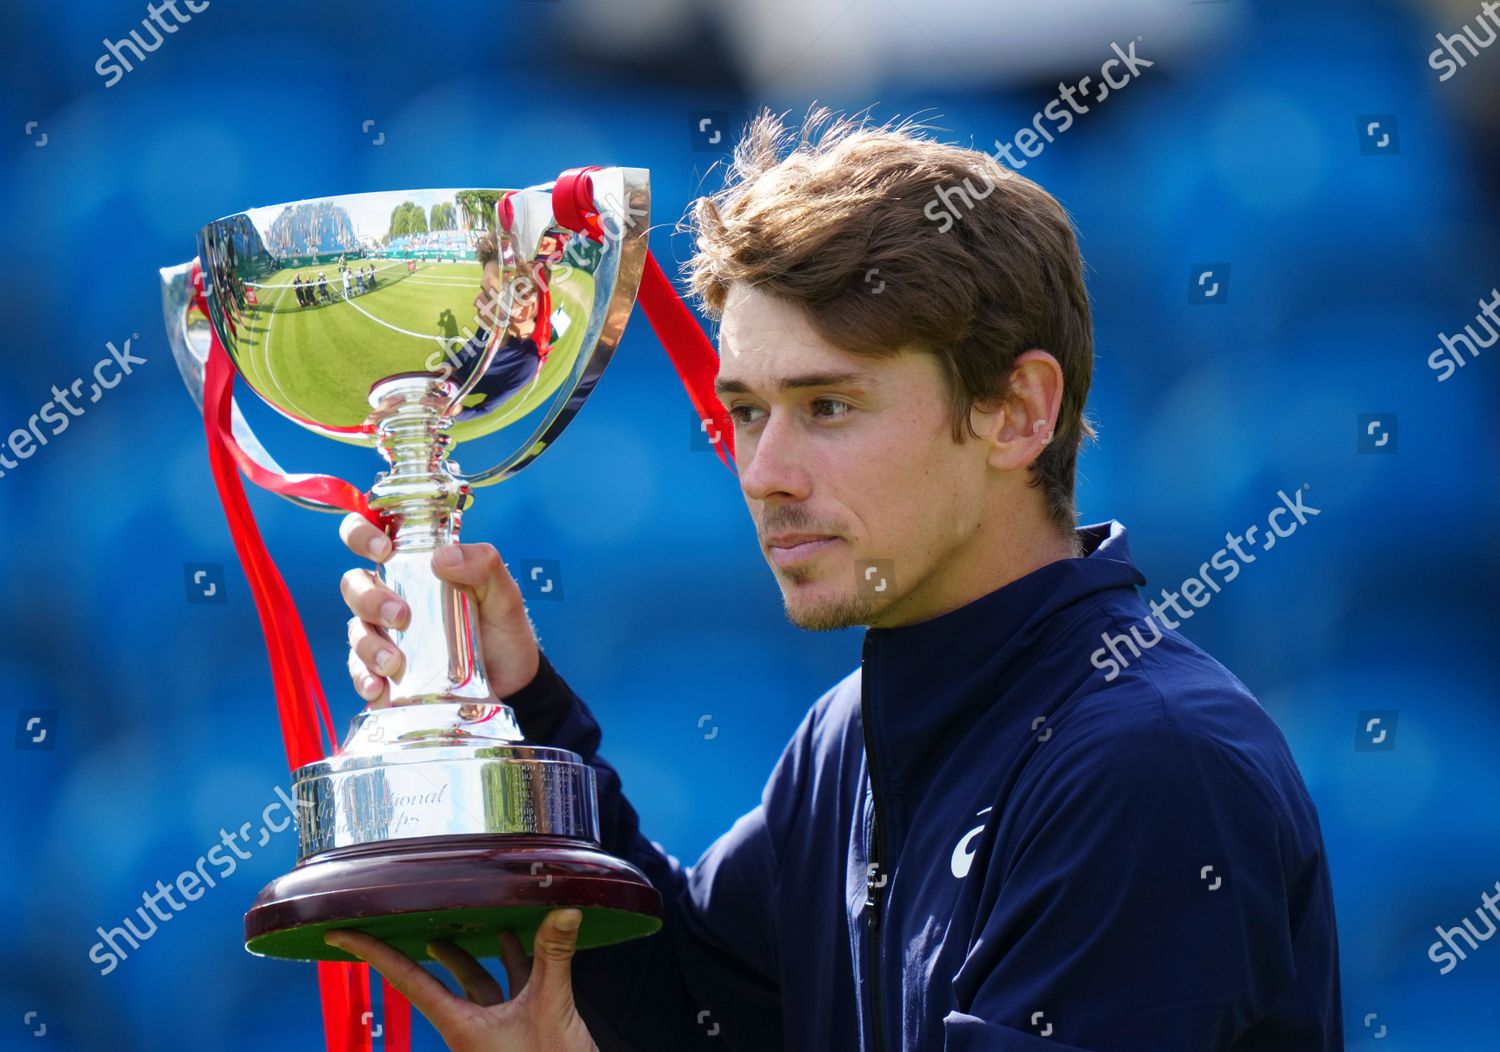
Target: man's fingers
374 649
478 985
431 997
374 689
517 964
552 961
365 538
478 566
371 601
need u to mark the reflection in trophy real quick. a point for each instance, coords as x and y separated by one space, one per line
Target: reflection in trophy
408 322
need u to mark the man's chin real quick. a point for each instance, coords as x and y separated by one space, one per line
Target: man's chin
828 613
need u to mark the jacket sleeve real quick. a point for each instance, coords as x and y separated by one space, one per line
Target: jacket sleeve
707 978
1145 897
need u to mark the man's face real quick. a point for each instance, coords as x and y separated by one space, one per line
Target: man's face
860 449
486 304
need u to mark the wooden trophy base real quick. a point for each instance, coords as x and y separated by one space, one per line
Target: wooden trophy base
466 889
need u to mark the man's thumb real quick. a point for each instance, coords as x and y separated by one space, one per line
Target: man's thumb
552 960
451 561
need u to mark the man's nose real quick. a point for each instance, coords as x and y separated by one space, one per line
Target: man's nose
773 463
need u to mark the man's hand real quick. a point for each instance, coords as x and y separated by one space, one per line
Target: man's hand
507 640
540 1015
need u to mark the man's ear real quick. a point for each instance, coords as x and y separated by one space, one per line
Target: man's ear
1018 426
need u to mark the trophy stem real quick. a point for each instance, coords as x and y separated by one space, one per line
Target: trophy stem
425 500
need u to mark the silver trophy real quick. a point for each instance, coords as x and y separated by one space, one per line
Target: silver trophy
408 321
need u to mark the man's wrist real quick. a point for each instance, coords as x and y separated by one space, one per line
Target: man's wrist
538 699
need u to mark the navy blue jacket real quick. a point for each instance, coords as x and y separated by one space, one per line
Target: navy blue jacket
976 840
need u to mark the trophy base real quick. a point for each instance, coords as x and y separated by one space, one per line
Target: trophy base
465 889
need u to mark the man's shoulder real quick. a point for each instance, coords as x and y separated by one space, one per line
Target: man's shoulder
828 724
830 719
810 766
1178 709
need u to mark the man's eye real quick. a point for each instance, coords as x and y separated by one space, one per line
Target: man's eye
836 407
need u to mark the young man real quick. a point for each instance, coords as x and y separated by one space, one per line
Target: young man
977 839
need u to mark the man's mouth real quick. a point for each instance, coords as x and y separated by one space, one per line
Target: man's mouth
794 548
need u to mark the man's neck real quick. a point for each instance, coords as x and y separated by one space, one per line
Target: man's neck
974 569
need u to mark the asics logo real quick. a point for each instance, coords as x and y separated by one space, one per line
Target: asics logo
963 854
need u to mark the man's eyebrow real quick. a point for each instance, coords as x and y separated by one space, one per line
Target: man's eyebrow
729 385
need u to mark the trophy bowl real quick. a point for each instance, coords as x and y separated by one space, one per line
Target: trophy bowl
406 322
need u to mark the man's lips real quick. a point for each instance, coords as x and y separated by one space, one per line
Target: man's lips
788 549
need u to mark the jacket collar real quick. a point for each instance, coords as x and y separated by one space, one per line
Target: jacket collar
923 684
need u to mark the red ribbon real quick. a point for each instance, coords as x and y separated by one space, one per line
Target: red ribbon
300 702
692 355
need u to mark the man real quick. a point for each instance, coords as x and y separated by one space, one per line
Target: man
517 361
977 839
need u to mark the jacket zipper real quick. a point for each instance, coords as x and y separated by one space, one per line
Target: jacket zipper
874 881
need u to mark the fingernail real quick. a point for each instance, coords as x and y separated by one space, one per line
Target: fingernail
568 920
390 612
380 546
369 688
385 662
448 555
334 938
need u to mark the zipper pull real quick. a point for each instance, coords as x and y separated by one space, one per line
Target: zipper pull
873 884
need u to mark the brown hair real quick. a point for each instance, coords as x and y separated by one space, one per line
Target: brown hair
843 224
485 248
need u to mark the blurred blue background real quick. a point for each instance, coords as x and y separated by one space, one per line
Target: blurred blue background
1246 143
